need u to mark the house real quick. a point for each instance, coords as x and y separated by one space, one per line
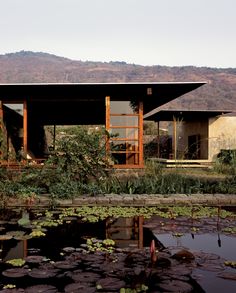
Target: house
26 108
197 136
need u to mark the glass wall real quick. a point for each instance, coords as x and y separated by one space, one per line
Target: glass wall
124 121
12 131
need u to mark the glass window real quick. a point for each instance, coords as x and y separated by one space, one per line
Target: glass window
131 133
124 121
123 107
121 159
120 145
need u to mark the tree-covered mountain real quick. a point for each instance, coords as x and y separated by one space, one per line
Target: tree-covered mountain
30 67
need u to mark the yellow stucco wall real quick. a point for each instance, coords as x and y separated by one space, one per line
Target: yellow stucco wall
194 128
222 134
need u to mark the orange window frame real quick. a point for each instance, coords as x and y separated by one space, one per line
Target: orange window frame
138 152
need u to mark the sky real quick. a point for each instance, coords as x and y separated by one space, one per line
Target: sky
145 32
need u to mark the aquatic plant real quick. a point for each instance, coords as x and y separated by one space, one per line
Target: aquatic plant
95 245
37 233
16 262
231 264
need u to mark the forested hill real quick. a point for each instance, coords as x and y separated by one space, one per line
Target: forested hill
30 67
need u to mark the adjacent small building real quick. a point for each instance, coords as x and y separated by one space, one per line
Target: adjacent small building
196 135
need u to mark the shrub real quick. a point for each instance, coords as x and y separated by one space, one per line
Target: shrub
81 155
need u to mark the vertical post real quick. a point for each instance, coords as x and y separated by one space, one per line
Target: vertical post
25 129
1 130
158 139
25 247
54 137
175 137
140 140
107 104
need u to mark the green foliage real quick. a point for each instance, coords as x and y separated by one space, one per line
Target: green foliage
94 245
141 288
81 155
37 233
231 264
226 162
16 262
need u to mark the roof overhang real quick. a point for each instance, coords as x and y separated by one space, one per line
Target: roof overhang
87 100
184 115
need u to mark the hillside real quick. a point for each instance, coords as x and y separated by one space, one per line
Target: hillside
30 67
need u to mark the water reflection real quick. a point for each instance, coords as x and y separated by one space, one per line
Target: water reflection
130 233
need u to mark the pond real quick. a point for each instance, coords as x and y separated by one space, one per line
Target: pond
118 250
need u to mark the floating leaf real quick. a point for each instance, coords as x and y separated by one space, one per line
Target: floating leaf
5 237
42 273
37 233
41 289
16 262
15 273
34 258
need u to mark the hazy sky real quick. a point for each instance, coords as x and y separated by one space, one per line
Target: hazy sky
147 32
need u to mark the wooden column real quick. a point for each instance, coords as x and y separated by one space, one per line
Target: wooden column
25 129
158 139
1 129
175 137
107 105
141 134
54 137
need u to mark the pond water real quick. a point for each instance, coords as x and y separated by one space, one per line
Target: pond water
64 254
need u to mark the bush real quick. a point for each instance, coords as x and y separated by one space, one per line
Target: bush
226 162
81 155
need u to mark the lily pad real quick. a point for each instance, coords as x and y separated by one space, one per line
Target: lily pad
227 275
42 274
5 237
85 277
65 265
16 233
15 273
68 249
110 284
16 262
78 287
34 258
14 290
175 286
41 289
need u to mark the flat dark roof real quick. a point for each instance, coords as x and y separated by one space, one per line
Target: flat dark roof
185 115
153 94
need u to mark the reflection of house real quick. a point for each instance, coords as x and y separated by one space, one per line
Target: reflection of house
119 107
197 135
